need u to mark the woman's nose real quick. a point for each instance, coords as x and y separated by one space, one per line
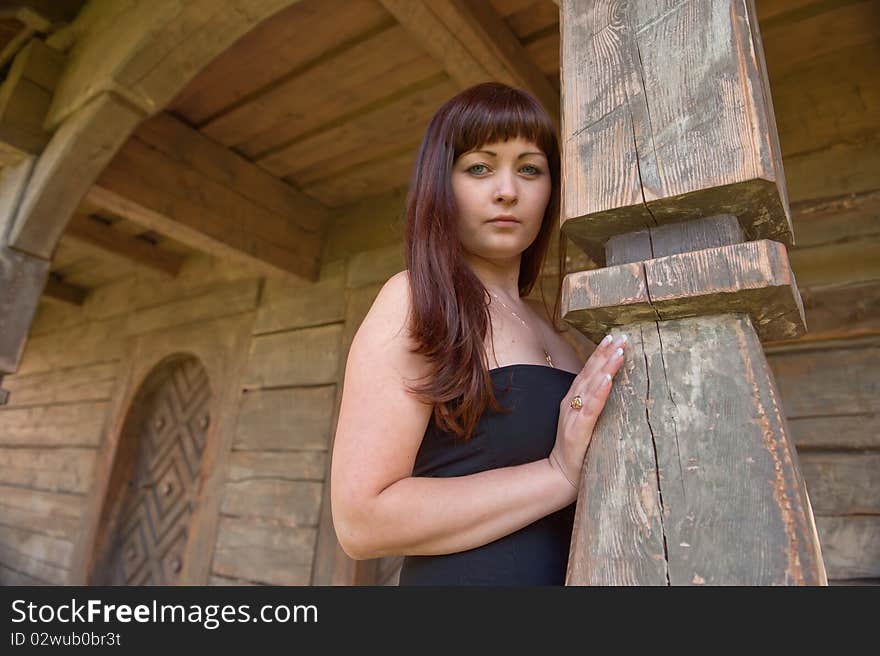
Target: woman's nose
505 190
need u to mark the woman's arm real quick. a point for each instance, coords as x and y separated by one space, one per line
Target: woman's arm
379 508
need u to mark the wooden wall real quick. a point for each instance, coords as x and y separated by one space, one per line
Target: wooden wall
831 395
60 399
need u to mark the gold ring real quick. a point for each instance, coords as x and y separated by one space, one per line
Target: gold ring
577 403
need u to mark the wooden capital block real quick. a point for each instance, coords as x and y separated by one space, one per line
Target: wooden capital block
667 116
752 278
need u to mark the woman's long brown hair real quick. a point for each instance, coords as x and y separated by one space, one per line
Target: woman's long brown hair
449 315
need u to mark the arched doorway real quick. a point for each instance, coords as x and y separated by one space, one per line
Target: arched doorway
156 475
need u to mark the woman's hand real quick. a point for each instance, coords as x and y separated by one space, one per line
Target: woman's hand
575 428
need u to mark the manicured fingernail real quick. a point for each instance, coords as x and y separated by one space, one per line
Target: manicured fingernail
606 381
605 341
623 339
618 354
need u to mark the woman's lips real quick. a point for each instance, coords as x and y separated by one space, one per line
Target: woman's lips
504 222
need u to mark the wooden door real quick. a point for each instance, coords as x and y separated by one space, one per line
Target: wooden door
156 478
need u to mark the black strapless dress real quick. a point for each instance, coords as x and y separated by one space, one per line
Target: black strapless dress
536 554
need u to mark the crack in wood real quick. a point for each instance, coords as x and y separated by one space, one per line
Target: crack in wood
656 462
672 416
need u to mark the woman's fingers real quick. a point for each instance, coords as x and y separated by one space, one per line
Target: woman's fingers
607 358
597 358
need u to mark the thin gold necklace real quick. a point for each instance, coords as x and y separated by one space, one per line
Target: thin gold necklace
510 309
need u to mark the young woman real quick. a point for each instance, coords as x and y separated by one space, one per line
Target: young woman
465 416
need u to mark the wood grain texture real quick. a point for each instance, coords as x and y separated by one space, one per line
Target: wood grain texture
262 551
618 536
52 513
83 344
223 300
290 503
50 470
291 40
293 419
694 425
752 277
351 78
850 546
843 483
826 382
286 465
88 383
284 306
646 145
855 431
311 358
351 140
69 425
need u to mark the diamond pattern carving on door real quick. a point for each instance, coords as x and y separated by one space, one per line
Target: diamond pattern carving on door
169 421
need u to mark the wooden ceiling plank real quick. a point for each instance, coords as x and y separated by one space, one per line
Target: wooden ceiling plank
355 76
362 181
103 236
287 41
326 153
474 44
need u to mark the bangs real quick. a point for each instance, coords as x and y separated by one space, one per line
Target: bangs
502 114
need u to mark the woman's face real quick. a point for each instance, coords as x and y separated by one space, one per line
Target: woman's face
506 180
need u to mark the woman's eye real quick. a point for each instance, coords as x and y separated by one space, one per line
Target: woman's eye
530 170
473 169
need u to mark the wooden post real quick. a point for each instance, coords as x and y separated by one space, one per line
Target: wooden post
673 181
22 276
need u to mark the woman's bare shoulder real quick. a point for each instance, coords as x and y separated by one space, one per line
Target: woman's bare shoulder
385 330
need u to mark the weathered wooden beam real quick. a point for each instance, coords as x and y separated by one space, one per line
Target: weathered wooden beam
21 276
25 96
474 45
98 233
174 180
691 477
637 126
65 170
58 290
